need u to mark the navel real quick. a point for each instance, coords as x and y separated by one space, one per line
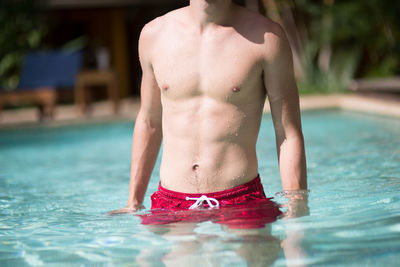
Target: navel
236 89
195 167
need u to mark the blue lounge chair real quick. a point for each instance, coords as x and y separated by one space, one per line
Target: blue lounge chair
43 73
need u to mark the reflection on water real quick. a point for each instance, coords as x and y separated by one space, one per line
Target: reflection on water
254 247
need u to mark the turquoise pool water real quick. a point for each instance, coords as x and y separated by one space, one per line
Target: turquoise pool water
58 183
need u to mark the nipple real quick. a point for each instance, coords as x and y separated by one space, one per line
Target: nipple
236 89
165 87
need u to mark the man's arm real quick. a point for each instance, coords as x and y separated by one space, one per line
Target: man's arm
284 101
147 134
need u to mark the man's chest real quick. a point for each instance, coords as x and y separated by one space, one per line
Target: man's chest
220 68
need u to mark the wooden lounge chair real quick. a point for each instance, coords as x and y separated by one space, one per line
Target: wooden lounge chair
388 85
42 74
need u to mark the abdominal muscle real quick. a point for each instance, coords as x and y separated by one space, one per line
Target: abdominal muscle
208 145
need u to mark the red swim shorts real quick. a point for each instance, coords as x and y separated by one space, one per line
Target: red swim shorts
244 207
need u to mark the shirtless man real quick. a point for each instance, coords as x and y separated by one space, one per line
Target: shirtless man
207 69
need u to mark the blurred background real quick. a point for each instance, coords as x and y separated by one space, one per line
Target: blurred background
337 46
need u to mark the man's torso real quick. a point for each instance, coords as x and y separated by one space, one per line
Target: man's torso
212 96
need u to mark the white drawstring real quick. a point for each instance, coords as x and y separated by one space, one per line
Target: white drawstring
200 200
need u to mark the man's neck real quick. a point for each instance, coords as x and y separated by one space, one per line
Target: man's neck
211 12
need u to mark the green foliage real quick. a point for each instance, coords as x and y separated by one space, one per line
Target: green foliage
76 44
358 38
341 72
22 30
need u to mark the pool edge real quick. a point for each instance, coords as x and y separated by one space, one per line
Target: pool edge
102 112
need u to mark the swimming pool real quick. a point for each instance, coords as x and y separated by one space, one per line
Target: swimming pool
58 183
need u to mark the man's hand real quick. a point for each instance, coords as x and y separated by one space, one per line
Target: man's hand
127 209
297 205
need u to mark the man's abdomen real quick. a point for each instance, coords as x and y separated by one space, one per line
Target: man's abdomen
210 149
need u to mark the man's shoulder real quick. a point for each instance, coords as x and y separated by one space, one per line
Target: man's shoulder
264 31
159 24
260 24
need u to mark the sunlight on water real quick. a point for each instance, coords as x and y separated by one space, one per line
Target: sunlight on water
57 185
